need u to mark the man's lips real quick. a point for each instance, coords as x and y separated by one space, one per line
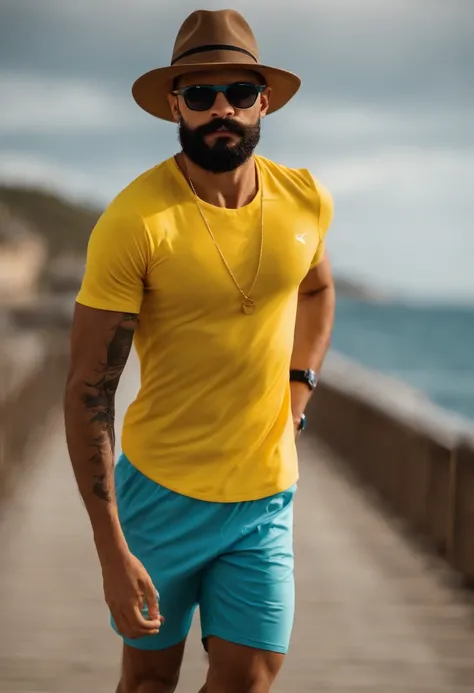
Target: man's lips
222 131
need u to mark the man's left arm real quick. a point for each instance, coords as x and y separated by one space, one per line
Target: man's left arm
314 323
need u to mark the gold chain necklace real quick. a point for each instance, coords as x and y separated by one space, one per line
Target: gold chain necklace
248 304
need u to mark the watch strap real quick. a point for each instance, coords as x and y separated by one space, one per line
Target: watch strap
304 376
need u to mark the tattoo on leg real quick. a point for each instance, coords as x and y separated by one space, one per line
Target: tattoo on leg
100 399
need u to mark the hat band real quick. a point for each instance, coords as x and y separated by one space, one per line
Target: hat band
213 47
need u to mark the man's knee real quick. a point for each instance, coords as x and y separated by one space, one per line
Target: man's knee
149 685
238 682
151 672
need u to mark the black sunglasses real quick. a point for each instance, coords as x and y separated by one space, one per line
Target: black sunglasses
200 97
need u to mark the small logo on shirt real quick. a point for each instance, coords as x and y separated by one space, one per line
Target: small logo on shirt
300 237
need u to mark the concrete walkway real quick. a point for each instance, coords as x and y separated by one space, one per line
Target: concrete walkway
373 614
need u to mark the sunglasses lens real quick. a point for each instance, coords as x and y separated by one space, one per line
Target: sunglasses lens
242 95
199 98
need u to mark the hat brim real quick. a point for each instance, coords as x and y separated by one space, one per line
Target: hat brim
150 91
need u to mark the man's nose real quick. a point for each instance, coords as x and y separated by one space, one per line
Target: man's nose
221 108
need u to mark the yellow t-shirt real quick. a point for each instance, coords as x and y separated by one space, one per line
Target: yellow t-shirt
212 419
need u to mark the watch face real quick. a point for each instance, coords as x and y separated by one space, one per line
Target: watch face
311 376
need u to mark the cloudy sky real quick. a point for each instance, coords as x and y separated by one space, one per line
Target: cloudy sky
384 117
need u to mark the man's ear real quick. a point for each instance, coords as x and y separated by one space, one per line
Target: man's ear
265 101
174 108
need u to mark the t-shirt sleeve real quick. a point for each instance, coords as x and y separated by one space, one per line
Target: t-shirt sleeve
326 212
118 257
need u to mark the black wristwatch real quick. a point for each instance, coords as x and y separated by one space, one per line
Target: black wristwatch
308 376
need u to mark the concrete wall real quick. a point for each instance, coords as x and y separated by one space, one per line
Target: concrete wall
418 458
32 375
34 348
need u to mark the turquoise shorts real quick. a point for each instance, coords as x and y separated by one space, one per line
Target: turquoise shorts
233 560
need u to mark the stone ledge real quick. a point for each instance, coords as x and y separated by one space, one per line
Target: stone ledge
418 457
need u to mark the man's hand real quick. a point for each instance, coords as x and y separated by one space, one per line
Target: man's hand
127 588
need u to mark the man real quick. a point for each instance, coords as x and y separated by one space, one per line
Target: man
214 263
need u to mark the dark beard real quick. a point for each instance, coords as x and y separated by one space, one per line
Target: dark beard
223 155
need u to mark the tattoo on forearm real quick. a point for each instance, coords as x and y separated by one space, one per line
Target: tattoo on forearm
100 399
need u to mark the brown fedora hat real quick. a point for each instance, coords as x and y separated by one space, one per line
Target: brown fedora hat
208 39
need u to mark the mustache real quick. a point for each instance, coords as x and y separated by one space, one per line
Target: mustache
217 124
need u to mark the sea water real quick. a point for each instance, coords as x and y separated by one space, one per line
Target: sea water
428 346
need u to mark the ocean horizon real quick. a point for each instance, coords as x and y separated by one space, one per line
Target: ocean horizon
429 346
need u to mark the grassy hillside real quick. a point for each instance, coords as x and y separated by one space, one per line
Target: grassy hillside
66 226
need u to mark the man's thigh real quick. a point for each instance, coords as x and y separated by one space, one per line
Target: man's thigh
240 669
248 592
150 671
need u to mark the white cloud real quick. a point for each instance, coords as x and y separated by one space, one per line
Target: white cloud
350 120
17 168
412 173
33 104
400 219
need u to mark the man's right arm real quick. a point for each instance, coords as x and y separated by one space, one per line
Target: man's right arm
101 341
100 345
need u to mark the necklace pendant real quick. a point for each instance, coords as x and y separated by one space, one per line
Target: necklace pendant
248 306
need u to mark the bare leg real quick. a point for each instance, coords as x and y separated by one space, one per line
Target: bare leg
238 669
145 671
